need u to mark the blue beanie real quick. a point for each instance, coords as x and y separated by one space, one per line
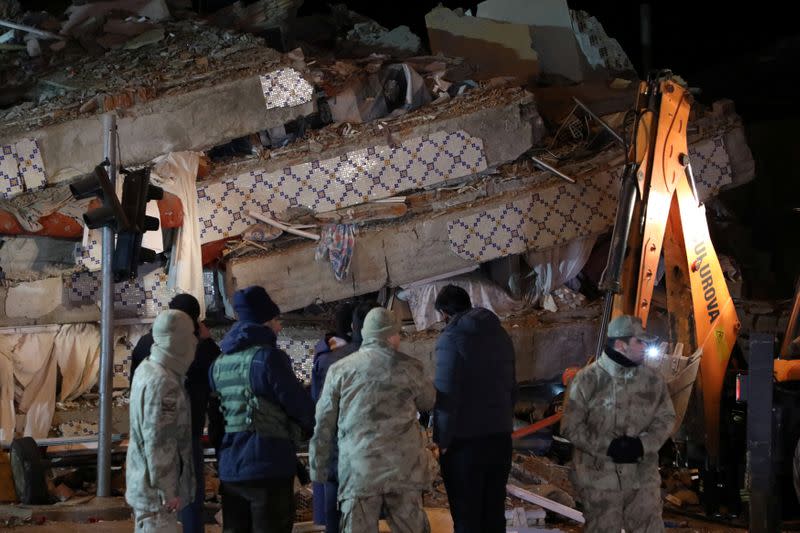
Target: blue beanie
253 304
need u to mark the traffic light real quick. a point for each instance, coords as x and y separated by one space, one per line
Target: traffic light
129 254
96 183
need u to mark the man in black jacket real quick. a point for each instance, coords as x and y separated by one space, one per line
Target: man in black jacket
198 389
475 393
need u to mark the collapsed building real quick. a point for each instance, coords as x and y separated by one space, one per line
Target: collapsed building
324 179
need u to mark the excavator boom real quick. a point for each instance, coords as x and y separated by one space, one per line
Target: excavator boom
667 216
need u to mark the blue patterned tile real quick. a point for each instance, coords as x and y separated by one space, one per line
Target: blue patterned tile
353 178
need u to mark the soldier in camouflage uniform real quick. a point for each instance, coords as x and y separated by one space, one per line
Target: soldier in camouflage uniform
370 401
618 415
158 471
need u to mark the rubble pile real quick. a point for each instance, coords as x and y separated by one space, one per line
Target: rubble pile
358 164
189 56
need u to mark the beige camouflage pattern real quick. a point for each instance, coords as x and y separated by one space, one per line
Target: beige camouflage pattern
370 402
404 513
610 511
163 522
605 401
158 466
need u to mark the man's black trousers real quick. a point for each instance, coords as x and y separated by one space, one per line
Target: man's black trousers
475 473
264 506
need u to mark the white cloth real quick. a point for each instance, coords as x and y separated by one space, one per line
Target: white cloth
35 374
7 416
177 173
556 266
482 292
77 351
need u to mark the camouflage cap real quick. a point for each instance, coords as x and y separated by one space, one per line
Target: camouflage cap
627 326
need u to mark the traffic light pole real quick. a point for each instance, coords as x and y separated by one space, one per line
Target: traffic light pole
107 323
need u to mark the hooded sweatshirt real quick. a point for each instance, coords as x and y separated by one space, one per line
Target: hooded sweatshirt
475 378
159 460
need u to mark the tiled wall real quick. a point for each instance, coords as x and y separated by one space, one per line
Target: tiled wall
143 297
21 168
302 354
285 88
323 185
546 218
566 211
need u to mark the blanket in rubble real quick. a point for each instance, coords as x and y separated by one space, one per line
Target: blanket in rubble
337 243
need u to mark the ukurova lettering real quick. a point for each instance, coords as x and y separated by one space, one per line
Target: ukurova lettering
707 282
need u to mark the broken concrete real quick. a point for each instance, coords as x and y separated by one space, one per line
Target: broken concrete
560 55
545 212
493 48
161 126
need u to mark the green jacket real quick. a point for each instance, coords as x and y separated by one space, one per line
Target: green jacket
242 409
605 401
370 402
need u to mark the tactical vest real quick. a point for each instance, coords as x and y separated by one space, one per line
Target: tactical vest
241 408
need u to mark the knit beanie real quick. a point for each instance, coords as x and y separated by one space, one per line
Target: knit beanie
188 304
379 324
253 304
174 341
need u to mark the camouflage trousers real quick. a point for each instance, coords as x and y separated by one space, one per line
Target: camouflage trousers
150 522
403 510
635 511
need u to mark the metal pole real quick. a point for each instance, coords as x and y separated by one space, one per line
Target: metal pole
107 324
552 170
617 137
611 280
763 513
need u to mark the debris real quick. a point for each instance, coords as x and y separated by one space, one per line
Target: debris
548 504
148 37
400 41
288 229
261 233
32 45
560 55
256 16
396 90
686 497
519 517
83 16
493 48
364 213
62 492
600 50
34 31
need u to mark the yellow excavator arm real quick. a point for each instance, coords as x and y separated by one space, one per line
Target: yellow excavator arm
659 211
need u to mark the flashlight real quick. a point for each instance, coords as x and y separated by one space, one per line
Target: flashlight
652 351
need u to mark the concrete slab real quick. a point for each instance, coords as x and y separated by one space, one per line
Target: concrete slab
513 218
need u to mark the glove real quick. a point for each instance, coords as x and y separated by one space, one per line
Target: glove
626 450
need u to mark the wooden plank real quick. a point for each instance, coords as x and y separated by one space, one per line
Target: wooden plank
548 504
363 213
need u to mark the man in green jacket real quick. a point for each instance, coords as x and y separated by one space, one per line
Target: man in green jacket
371 400
618 414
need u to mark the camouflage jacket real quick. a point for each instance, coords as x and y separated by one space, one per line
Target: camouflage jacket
605 401
159 462
370 401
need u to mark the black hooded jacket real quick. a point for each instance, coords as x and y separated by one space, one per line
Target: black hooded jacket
475 378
